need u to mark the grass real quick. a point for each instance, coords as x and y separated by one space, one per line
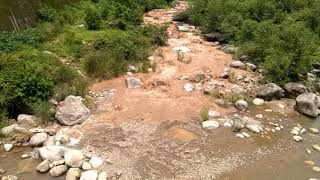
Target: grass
203 114
232 77
230 96
43 111
182 58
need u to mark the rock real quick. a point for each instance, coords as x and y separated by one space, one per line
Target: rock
220 102
241 105
294 89
307 104
213 114
27 155
132 68
38 139
208 89
26 120
52 152
278 128
294 132
73 174
212 37
314 130
297 138
308 151
95 161
297 129
311 163
251 66
258 101
133 83
238 64
2 171
8 129
269 91
86 166
188 87
241 136
72 111
49 141
245 134
9 177
229 49
183 28
43 166
210 124
89 175
74 158
238 124
259 116
102 176
182 49
226 73
316 169
58 170
58 162
8 147
253 127
303 130
316 147
199 77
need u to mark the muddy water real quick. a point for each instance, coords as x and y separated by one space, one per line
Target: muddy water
24 169
21 14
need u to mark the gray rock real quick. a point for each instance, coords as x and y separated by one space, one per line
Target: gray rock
58 162
213 114
225 74
50 141
74 158
95 161
210 124
253 127
294 89
308 104
269 91
238 64
208 89
241 105
26 120
297 138
238 124
52 152
133 83
72 111
8 147
73 174
188 87
258 101
38 139
58 170
43 166
89 175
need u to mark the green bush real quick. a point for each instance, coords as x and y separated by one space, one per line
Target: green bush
93 20
46 14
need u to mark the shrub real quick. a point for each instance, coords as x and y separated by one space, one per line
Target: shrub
92 19
46 14
204 114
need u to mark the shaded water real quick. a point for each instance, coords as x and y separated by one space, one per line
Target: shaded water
21 14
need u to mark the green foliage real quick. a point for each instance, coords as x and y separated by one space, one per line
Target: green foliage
93 20
46 14
281 36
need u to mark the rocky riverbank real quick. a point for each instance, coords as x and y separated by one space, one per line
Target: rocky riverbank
198 114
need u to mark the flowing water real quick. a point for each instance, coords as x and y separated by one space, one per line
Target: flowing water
21 14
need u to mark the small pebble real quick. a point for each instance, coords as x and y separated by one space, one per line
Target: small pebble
316 169
311 163
240 136
308 151
278 128
303 131
297 138
245 134
314 130
294 132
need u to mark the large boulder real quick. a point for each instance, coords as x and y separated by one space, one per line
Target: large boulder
74 158
269 91
294 89
308 104
38 139
72 111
